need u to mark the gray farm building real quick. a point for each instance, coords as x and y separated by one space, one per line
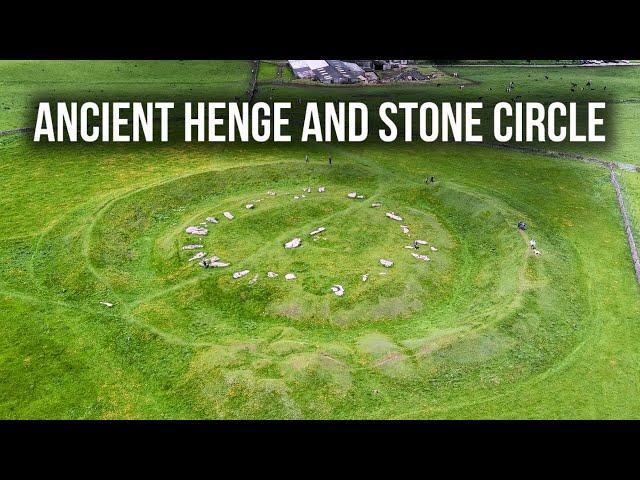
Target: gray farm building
341 71
327 71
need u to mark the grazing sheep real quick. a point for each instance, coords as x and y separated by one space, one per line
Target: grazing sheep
386 263
290 276
228 215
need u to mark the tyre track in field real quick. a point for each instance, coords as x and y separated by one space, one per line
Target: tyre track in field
279 240
102 209
168 338
571 356
475 191
611 166
86 241
534 379
97 213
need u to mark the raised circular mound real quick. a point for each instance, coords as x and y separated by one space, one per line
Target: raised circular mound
266 346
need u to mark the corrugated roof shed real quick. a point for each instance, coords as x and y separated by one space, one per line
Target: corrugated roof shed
327 71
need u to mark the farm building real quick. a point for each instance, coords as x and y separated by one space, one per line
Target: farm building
327 71
390 64
370 65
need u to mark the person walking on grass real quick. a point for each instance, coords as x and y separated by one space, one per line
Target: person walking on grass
306 158
330 159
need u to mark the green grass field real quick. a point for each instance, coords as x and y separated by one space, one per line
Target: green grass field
485 329
23 83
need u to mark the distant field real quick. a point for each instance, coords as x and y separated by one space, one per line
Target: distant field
512 62
484 329
532 63
22 84
268 71
274 70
